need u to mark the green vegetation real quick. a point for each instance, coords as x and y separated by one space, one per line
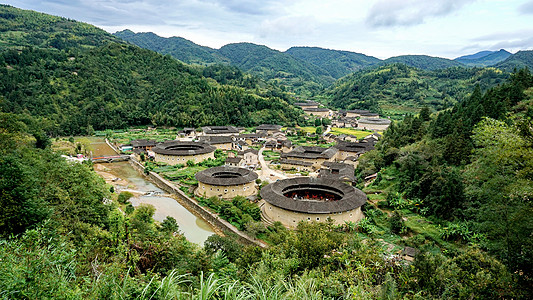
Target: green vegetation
24 28
467 169
350 131
422 62
239 211
396 90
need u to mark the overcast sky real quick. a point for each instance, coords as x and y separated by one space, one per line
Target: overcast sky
381 28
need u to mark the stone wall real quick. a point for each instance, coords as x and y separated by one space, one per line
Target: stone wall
226 192
195 208
182 159
291 218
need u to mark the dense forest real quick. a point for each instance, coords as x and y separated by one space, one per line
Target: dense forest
116 85
469 168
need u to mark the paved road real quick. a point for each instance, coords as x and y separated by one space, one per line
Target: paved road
266 173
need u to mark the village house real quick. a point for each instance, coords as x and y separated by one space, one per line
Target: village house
219 130
250 157
186 134
251 138
223 142
268 129
297 165
234 162
143 144
337 171
314 155
347 149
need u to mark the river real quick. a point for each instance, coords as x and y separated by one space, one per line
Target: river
123 177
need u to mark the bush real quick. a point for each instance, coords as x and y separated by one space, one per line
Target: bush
123 197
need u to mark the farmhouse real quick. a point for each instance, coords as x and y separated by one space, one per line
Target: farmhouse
144 145
226 182
177 152
290 201
373 123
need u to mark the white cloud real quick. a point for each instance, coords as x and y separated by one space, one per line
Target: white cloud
386 13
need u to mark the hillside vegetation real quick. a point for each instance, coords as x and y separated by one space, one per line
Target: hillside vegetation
396 89
484 58
21 28
117 85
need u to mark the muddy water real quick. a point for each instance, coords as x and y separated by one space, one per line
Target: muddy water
124 177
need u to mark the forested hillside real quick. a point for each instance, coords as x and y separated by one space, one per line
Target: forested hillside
116 85
423 62
517 61
20 28
470 169
180 48
397 89
484 58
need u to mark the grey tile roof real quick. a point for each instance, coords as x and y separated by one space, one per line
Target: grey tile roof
350 197
183 148
225 176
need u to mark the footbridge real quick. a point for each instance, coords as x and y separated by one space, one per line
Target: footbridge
110 159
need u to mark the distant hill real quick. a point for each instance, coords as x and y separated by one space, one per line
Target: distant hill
423 62
396 89
336 63
484 58
22 28
180 48
519 60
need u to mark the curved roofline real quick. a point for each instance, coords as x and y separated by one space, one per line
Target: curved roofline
165 148
374 121
244 176
352 198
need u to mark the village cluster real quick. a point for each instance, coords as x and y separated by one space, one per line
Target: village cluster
326 192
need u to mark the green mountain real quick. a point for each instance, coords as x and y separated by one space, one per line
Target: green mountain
484 58
116 85
336 63
397 89
24 28
180 48
423 62
519 60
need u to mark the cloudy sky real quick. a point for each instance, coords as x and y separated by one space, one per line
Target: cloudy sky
381 28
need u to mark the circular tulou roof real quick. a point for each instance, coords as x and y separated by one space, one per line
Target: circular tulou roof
226 176
350 197
374 121
183 148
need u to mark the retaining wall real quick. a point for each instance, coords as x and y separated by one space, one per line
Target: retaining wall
191 204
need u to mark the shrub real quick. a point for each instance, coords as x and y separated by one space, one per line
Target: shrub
123 197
